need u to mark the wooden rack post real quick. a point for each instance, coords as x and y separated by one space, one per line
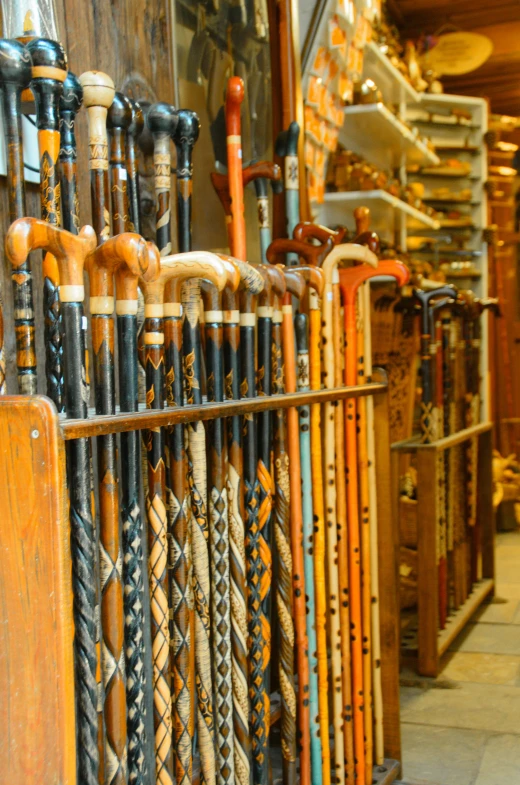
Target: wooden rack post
432 642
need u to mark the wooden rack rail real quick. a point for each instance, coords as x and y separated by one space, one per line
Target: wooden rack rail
432 642
36 665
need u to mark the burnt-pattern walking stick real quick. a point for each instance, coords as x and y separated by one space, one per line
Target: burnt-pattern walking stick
162 122
133 133
119 118
70 104
25 235
282 538
15 75
296 287
48 74
185 138
287 148
135 259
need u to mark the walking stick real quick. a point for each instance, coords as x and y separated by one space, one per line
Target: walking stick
24 236
347 252
119 118
135 259
70 104
287 148
358 488
311 254
305 230
48 74
282 537
296 287
133 133
15 76
162 121
186 135
302 343
183 267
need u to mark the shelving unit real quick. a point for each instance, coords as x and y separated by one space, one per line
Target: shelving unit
394 88
383 208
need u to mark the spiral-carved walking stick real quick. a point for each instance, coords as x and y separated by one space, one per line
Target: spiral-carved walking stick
133 133
183 267
162 121
70 104
25 235
185 138
15 75
283 556
135 259
48 74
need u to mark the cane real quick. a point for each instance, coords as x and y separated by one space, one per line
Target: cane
15 76
234 98
70 104
135 259
311 254
282 537
347 252
24 236
182 266
119 118
302 344
133 133
48 74
287 148
162 121
306 230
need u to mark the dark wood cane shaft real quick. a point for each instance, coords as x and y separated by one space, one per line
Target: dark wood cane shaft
49 72
162 122
70 104
133 133
15 75
118 121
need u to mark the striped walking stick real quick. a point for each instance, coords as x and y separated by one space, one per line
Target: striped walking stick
182 266
303 384
24 236
70 104
133 133
15 75
283 556
48 74
287 148
135 260
296 288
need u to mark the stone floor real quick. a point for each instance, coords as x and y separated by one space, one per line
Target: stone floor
463 728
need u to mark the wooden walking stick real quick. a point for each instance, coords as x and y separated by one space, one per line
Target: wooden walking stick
48 74
133 133
283 556
24 236
15 76
311 254
70 104
315 278
119 117
346 252
287 148
183 267
234 98
296 287
307 230
162 121
135 259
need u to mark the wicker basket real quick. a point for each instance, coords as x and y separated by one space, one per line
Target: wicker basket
408 522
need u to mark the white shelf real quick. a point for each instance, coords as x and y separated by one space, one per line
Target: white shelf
379 200
394 87
373 131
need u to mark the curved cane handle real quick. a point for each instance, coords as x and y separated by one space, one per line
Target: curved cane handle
352 278
313 277
348 252
306 229
261 169
184 266
313 254
250 277
295 283
29 234
129 257
274 284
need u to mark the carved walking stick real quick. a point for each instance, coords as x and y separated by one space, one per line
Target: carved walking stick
133 133
296 287
287 148
15 75
162 121
48 74
70 104
282 537
181 266
25 235
315 278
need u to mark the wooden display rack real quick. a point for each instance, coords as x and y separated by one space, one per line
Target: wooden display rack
432 642
36 663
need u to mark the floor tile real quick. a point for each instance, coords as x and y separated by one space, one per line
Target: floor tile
497 611
480 668
505 590
509 572
442 755
489 638
472 706
500 762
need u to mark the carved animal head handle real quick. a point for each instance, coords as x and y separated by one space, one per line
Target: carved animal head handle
184 266
364 236
129 257
185 138
234 98
307 230
98 94
250 277
295 285
312 254
424 299
274 284
29 234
